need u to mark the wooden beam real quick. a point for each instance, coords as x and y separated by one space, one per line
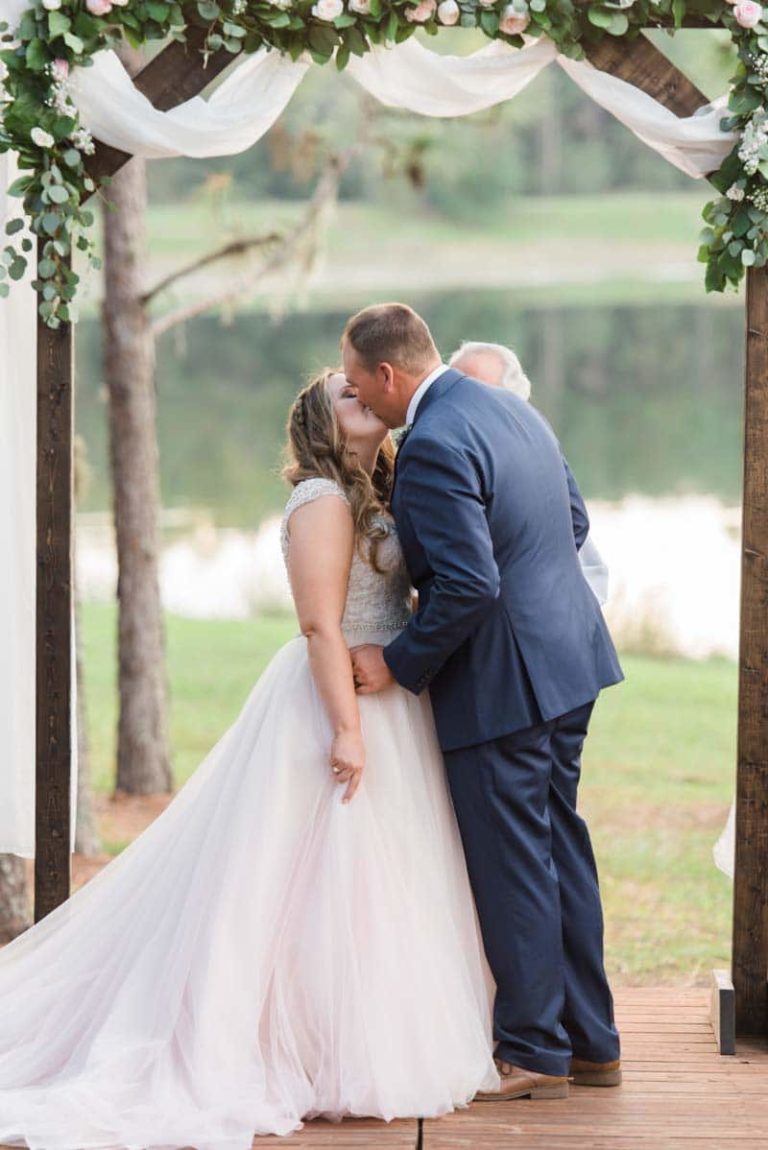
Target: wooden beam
750 893
176 74
642 64
54 734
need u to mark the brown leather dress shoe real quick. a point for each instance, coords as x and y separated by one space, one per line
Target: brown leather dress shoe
519 1083
585 1073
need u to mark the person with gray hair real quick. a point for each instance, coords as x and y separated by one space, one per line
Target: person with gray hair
499 366
492 363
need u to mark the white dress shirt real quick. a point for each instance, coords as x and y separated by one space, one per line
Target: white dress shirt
421 391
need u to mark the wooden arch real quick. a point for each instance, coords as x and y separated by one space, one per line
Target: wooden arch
175 75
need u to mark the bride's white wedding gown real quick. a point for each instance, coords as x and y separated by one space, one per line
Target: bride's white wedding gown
262 953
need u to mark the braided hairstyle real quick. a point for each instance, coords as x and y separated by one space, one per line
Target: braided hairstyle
316 449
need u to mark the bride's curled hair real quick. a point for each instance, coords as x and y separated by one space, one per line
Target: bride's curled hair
316 448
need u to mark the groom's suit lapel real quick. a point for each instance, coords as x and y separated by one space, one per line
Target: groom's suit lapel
442 384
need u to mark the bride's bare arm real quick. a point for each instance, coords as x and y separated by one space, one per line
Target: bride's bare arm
321 542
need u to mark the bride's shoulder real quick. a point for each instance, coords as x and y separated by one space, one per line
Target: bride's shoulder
307 490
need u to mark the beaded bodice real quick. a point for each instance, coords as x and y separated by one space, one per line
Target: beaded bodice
378 603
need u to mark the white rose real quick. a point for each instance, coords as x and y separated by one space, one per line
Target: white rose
512 21
362 7
51 5
486 3
448 12
3 71
41 138
120 3
328 9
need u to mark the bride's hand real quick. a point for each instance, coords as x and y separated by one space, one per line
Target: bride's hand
348 760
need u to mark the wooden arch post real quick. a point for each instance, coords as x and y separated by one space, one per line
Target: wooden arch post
177 74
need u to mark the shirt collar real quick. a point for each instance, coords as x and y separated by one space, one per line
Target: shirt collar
421 391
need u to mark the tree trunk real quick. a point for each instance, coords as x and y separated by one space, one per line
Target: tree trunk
15 914
143 759
86 836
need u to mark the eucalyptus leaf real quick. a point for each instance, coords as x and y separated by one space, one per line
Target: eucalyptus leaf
618 25
20 186
600 17
74 42
36 55
58 24
158 12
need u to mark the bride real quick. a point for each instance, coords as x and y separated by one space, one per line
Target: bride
295 934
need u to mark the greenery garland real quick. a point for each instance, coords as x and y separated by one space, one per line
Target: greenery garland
40 121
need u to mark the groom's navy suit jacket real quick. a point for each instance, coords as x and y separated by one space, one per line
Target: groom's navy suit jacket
508 633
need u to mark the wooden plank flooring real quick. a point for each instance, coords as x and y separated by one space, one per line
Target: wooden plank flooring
678 1094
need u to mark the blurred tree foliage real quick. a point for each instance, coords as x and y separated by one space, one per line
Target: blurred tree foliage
551 140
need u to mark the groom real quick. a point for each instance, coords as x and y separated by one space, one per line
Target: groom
514 649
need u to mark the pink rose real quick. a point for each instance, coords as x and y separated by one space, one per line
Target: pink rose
421 12
748 13
513 21
99 7
60 70
448 12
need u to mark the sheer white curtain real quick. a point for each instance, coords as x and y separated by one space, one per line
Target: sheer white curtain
17 548
237 114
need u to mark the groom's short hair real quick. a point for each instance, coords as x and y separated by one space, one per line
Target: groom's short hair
391 333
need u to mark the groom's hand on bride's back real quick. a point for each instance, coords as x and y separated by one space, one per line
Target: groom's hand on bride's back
370 671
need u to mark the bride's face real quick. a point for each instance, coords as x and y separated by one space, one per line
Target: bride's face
359 426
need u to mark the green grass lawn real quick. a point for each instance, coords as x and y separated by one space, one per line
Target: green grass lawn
658 777
626 216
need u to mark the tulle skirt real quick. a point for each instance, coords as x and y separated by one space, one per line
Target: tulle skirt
261 953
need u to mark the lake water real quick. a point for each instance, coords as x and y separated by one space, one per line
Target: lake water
647 402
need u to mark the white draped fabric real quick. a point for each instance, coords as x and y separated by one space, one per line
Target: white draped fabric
408 76
241 110
17 547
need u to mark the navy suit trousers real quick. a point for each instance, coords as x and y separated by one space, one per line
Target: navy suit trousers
534 879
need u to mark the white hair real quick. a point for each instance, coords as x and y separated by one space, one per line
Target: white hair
513 377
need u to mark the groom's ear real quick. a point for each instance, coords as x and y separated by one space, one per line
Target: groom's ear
387 377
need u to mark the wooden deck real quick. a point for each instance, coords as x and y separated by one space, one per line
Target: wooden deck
678 1094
